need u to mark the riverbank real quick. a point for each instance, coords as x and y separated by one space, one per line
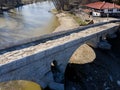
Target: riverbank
66 22
70 21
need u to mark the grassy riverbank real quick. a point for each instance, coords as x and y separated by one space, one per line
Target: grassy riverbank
68 21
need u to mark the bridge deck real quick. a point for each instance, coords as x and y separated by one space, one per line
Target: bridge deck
8 57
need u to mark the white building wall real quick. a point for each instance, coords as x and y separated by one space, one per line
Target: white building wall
105 10
96 13
118 10
115 11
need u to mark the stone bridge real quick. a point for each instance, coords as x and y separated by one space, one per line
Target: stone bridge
32 61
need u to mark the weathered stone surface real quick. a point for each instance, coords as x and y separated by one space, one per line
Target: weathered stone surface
118 82
56 86
104 45
33 62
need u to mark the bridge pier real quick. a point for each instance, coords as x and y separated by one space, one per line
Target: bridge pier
104 45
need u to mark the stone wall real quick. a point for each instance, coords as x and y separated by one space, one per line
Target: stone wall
34 63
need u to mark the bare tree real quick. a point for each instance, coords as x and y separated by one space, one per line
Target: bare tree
61 4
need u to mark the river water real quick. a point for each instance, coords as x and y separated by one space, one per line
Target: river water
27 21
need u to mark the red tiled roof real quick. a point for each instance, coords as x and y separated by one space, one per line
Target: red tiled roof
102 5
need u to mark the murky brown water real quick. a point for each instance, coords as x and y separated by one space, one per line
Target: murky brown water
27 21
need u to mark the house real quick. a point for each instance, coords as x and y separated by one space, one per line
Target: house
104 9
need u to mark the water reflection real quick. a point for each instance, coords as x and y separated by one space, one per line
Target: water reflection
28 21
19 85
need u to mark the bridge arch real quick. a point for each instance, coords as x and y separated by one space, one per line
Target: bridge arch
37 68
84 54
88 75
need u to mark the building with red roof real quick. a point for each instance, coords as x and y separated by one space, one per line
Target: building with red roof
104 9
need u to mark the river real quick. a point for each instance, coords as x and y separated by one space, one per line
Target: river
27 21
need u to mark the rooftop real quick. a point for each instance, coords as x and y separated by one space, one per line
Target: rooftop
102 5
